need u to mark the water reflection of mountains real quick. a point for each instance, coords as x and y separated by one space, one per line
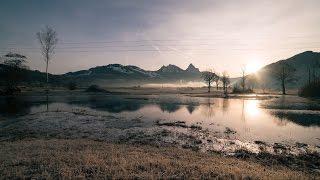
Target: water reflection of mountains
119 104
17 106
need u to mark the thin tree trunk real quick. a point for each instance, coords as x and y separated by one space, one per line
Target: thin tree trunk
283 82
47 85
47 102
243 82
209 86
283 87
226 90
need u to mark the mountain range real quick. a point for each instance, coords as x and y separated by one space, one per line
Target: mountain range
121 75
115 75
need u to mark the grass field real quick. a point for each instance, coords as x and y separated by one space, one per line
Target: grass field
91 159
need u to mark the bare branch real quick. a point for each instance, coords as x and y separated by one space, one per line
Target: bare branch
47 38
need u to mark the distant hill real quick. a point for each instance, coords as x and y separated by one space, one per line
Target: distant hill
33 77
301 63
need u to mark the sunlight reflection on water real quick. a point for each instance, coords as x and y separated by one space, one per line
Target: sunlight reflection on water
245 116
252 108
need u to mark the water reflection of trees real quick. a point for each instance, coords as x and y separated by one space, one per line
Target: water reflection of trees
208 108
225 105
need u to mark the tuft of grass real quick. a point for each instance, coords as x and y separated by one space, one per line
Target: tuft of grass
82 158
196 127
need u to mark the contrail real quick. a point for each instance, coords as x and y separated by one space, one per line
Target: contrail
150 42
177 51
180 53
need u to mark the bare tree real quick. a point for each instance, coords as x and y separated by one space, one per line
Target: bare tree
208 77
284 73
225 81
251 81
14 71
263 87
48 40
243 78
216 79
313 77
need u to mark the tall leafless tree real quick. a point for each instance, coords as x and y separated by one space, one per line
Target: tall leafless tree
284 73
225 81
208 77
243 78
48 40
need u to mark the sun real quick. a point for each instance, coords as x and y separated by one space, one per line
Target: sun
253 66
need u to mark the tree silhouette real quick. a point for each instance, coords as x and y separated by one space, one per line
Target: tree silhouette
216 79
225 81
14 71
208 77
243 78
48 40
284 73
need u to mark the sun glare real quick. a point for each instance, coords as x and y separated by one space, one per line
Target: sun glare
253 67
252 107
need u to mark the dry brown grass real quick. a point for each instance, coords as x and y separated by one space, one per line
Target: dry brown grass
91 159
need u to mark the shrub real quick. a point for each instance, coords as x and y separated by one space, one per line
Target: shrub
72 86
310 90
238 90
11 90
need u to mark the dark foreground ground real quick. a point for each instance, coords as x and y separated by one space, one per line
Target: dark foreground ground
83 158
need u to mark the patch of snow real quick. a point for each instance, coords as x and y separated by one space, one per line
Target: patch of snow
141 71
170 68
86 73
120 69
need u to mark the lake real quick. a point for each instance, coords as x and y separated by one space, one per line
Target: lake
285 119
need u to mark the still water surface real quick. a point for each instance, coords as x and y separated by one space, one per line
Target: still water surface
284 119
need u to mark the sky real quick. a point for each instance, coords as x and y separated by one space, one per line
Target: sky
223 35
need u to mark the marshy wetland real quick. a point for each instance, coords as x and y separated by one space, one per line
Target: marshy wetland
259 127
288 120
